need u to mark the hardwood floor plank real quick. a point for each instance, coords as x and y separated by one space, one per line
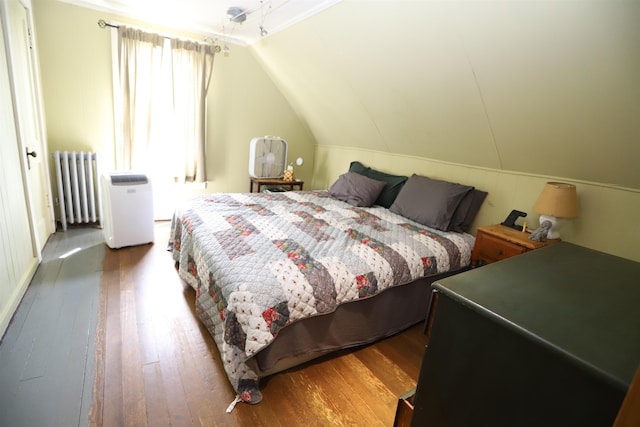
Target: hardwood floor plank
288 396
198 400
132 379
350 408
407 348
96 411
317 404
133 384
157 414
174 391
392 374
112 405
378 398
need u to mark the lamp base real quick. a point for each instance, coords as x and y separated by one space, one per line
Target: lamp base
552 233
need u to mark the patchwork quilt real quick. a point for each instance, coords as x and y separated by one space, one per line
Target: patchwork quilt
260 261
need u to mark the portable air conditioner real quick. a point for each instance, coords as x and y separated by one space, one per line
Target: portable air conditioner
267 157
128 209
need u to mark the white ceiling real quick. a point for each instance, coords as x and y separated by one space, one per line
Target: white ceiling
210 16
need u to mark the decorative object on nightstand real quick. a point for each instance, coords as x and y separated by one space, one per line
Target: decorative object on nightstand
512 218
557 200
497 242
540 233
288 173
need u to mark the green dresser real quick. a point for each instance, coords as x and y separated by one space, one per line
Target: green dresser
547 338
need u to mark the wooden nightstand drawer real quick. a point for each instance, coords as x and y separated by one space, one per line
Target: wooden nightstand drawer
493 249
497 242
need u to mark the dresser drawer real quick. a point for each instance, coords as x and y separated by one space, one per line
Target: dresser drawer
404 411
491 249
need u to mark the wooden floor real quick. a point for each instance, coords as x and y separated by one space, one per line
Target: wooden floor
156 365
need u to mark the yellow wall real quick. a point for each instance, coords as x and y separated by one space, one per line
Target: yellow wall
76 62
607 220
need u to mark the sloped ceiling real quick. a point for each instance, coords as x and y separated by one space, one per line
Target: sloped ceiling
548 88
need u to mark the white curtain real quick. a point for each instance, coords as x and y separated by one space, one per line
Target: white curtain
140 60
163 88
192 65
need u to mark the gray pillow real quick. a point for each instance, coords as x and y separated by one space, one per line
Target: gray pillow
430 202
467 210
356 189
393 185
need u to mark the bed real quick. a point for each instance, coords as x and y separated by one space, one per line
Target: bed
282 278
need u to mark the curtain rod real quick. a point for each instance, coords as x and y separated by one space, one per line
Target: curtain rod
102 24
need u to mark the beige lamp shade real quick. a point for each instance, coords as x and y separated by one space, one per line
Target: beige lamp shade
558 199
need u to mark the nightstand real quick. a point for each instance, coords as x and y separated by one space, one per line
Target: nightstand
279 182
497 242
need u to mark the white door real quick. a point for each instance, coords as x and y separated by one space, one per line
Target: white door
18 256
23 72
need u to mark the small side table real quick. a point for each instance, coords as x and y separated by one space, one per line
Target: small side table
497 242
275 182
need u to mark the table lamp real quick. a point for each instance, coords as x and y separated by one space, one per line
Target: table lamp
557 200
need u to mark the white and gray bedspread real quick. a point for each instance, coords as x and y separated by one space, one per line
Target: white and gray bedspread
260 261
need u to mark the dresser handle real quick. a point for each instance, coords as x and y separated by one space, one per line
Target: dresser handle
499 252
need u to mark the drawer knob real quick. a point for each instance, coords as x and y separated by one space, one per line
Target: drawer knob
499 252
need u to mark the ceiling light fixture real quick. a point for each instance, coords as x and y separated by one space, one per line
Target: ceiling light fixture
237 14
263 32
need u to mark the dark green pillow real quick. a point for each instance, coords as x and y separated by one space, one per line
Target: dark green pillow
393 185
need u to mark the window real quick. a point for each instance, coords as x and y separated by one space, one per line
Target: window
160 97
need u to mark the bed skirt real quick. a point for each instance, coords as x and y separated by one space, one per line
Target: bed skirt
352 324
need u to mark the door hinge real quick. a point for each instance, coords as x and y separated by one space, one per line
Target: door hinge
30 37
